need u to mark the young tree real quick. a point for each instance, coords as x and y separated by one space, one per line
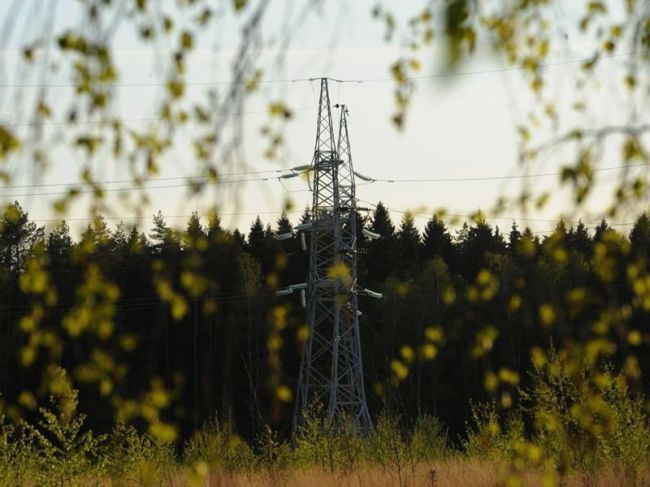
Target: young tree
161 236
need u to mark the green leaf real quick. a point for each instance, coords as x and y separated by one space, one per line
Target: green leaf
239 4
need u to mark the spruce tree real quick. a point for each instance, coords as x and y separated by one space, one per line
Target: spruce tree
600 230
408 244
640 236
194 235
17 236
283 224
59 243
436 240
514 238
382 253
381 222
579 239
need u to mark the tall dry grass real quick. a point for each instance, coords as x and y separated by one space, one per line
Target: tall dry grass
459 471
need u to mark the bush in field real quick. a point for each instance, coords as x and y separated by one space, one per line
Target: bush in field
274 456
219 449
490 437
626 447
61 449
387 447
581 421
588 420
329 446
132 457
15 455
429 439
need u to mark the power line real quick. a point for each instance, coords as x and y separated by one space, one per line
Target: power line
500 70
369 180
591 226
118 190
128 120
133 217
486 178
146 180
146 303
359 80
488 217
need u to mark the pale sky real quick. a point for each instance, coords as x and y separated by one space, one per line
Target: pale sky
462 126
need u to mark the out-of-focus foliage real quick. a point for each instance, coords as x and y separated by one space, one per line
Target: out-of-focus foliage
530 37
151 328
584 426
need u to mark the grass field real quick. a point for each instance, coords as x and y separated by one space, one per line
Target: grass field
452 472
497 449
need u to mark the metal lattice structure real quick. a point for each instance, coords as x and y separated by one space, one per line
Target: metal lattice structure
331 371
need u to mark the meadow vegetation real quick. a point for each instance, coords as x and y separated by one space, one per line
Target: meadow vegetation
498 446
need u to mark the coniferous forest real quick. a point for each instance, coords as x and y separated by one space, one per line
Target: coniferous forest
194 313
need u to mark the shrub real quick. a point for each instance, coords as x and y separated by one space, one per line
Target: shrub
586 419
219 448
62 450
15 455
334 447
491 437
135 458
428 439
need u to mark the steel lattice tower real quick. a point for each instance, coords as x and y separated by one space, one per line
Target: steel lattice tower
331 371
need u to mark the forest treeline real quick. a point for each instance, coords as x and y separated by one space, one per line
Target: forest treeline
193 310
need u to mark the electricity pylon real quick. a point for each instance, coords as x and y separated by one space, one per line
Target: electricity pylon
331 370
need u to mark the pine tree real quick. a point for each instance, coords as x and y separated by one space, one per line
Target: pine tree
17 236
381 222
96 235
194 236
306 215
514 238
161 235
579 239
640 236
215 231
436 241
283 224
136 240
261 244
602 227
382 253
408 244
59 243
255 239
239 240
528 244
475 243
